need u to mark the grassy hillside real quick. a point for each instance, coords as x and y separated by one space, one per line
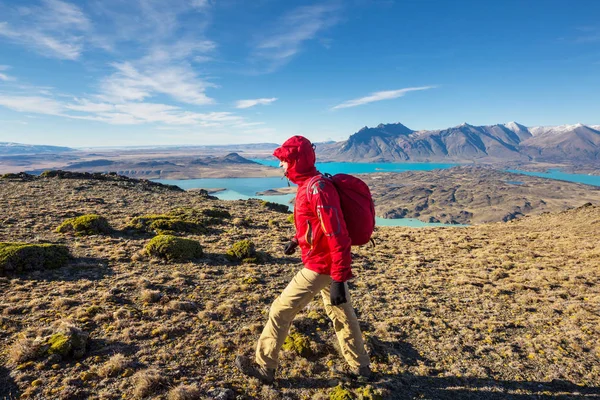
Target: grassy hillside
504 310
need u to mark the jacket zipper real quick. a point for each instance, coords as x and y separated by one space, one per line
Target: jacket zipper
308 237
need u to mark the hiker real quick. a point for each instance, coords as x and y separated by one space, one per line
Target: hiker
323 239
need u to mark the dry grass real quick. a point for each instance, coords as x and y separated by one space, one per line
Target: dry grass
506 309
147 381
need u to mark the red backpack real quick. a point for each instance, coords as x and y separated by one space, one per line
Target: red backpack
357 206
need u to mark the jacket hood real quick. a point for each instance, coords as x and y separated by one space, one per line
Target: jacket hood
299 153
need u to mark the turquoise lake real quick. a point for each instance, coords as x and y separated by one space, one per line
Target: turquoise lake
246 188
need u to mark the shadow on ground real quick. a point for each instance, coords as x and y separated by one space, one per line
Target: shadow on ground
406 386
89 268
8 388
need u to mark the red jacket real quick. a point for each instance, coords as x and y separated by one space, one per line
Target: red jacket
320 226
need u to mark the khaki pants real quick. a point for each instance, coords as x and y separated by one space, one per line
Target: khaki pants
298 293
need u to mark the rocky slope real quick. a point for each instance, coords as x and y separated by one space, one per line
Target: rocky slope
493 143
472 195
489 311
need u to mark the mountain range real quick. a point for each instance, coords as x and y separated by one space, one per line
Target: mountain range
9 148
491 143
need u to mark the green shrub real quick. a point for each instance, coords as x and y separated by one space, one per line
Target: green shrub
290 219
90 224
298 343
368 393
20 257
62 339
242 250
275 206
173 248
178 220
340 393
163 224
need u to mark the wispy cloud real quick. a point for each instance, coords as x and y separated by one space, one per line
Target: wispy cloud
285 38
54 28
33 104
129 113
130 83
254 102
4 77
379 96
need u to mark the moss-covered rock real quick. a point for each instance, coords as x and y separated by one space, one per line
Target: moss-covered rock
19 257
173 248
90 224
299 344
62 340
275 206
369 393
164 224
242 250
340 393
178 220
68 341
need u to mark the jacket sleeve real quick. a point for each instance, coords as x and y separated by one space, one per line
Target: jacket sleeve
325 202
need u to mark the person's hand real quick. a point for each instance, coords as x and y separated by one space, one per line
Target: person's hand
290 247
337 293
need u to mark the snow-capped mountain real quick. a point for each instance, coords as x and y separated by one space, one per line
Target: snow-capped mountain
501 142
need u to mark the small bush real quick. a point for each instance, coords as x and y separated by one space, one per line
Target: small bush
150 296
62 339
290 219
163 224
114 366
19 257
244 222
184 392
173 248
368 393
147 382
90 224
340 393
242 250
298 343
275 206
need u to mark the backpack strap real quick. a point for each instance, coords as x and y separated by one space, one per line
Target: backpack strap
312 181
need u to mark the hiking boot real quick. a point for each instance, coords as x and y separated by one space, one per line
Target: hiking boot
363 374
250 368
360 374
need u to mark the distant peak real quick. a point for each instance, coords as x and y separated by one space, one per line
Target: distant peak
515 126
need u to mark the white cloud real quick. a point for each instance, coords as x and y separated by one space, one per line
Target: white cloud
200 4
33 104
59 14
132 84
4 77
124 113
254 102
379 96
54 29
292 30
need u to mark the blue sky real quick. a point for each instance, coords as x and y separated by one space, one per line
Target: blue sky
144 72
